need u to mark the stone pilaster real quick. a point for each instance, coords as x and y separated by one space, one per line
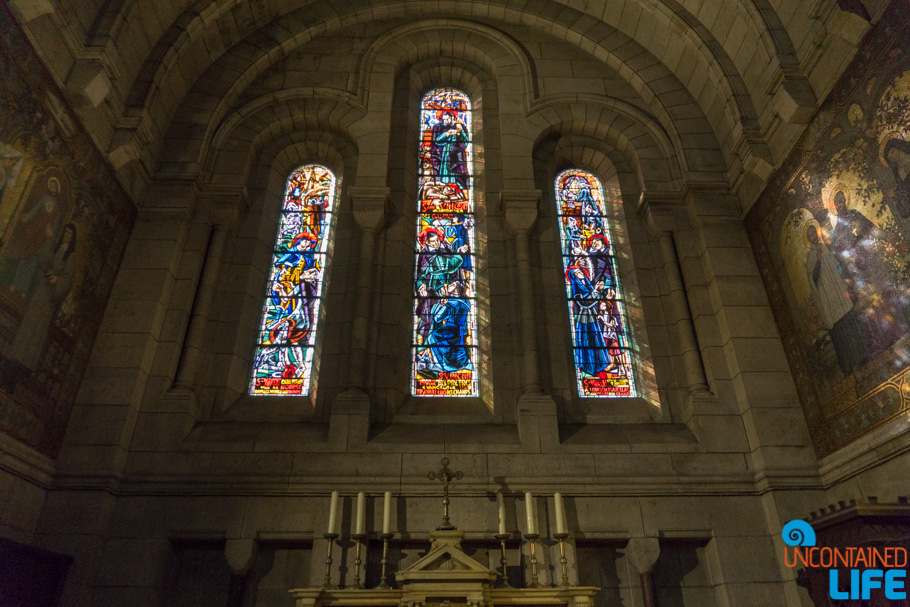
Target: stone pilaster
350 417
167 419
537 420
716 426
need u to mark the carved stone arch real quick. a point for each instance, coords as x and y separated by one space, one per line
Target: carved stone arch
666 137
331 149
632 61
237 144
486 46
495 74
605 161
217 134
645 146
175 47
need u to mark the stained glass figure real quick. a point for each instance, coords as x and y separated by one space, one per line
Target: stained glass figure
444 348
283 360
600 338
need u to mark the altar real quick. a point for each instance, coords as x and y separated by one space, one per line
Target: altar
446 577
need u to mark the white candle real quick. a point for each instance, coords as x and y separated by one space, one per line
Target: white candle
560 513
333 508
386 512
529 512
501 505
361 513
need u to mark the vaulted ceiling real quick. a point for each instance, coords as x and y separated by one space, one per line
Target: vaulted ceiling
723 87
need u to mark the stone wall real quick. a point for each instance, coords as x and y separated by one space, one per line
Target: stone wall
169 467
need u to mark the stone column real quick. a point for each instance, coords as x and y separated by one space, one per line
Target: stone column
241 555
537 419
350 417
643 552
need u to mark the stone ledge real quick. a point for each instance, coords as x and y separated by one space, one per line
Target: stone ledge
26 463
313 437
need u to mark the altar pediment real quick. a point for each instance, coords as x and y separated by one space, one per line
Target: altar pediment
446 563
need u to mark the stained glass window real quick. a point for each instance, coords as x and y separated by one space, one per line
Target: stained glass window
444 347
600 337
283 360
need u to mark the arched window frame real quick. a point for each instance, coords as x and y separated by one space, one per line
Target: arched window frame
291 312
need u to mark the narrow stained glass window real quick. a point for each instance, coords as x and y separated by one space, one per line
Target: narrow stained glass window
600 337
283 361
444 348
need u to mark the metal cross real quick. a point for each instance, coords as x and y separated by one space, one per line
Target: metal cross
446 476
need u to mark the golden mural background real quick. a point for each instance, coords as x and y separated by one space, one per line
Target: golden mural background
831 235
64 222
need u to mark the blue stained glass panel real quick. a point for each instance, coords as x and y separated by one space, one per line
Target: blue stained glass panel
600 337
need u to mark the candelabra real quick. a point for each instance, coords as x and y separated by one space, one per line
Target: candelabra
384 582
532 537
330 543
358 539
502 537
563 561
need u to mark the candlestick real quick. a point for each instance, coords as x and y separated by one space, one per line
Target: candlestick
358 539
560 513
361 514
330 543
563 561
532 537
501 506
386 512
529 513
333 509
502 537
383 581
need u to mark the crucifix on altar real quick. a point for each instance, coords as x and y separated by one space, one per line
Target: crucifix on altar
446 476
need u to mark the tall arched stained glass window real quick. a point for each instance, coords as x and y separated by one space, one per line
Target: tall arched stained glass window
600 337
444 347
283 361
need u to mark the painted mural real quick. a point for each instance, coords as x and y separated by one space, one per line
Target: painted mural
64 222
832 236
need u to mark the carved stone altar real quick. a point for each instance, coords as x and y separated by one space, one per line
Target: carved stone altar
446 577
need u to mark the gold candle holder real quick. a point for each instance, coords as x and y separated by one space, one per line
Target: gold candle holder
384 581
563 561
532 537
358 539
330 543
502 537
